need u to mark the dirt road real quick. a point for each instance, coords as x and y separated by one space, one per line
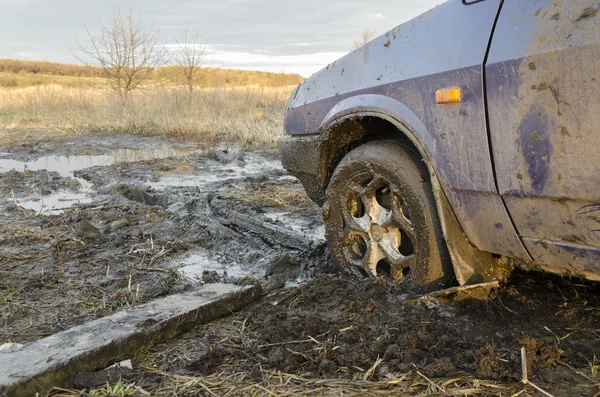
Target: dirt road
99 223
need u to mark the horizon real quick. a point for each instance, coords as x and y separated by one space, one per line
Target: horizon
282 37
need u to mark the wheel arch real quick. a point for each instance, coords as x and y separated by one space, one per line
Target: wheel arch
363 118
358 120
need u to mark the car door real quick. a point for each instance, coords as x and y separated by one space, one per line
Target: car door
543 101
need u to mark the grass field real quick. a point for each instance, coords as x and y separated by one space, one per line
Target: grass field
249 112
250 116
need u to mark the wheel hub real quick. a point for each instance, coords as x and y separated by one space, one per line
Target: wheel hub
377 232
377 226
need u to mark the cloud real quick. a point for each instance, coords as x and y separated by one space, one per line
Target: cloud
286 35
304 64
304 44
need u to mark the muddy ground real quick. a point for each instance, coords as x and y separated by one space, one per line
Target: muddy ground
97 223
78 242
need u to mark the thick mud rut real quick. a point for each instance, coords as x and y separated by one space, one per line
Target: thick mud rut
97 224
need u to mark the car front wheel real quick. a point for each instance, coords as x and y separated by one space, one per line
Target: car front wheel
381 219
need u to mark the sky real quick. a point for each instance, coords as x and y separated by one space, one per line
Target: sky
270 35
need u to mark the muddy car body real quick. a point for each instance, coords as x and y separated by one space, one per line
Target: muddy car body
497 101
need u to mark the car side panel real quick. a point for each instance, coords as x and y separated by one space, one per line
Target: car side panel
543 80
408 64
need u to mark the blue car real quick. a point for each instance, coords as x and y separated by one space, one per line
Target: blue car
459 144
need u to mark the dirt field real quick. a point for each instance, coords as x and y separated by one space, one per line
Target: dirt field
100 223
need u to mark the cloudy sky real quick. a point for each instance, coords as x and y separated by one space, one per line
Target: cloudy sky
298 36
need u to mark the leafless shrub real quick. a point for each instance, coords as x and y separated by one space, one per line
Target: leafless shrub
125 51
188 58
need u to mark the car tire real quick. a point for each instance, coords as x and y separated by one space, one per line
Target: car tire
381 218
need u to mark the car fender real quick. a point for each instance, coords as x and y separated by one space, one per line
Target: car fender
388 109
470 264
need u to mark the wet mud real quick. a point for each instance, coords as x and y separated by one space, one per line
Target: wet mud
154 224
94 233
335 327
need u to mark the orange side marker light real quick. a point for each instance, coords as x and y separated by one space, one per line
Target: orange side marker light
449 95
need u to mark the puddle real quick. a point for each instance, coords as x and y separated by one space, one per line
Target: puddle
56 202
194 265
66 166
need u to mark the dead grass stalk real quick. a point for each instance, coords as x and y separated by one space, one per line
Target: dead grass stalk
277 383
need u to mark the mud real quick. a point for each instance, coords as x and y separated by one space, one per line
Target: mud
146 229
140 228
335 327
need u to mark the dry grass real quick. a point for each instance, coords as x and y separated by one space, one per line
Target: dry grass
244 107
276 383
23 80
15 66
270 196
216 77
19 74
273 383
250 116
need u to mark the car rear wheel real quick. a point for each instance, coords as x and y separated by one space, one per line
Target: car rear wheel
381 219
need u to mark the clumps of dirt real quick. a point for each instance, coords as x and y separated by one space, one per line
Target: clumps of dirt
40 183
102 178
226 156
141 195
282 268
336 327
541 353
353 324
489 362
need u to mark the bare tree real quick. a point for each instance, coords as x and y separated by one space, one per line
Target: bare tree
365 37
126 52
188 57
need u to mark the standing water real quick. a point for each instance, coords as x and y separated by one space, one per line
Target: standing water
66 166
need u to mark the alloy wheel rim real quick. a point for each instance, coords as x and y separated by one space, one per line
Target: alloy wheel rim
379 234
